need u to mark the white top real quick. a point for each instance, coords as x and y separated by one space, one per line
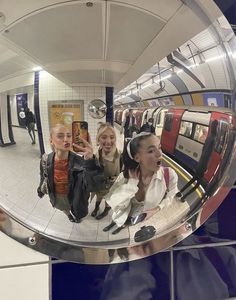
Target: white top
122 193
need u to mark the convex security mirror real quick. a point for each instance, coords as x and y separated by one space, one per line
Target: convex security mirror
198 90
97 109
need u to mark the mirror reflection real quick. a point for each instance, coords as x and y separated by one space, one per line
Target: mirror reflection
168 151
97 109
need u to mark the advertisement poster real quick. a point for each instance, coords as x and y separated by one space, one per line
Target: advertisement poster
21 104
63 112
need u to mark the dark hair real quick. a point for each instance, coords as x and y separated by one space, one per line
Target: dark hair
128 162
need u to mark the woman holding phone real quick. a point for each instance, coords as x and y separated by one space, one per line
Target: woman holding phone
66 172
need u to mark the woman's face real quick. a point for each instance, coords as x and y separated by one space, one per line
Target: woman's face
149 154
61 139
107 140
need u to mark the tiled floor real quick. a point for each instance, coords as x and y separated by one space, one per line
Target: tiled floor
19 179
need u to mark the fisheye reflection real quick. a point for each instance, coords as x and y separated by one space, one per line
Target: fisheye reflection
131 195
169 152
137 198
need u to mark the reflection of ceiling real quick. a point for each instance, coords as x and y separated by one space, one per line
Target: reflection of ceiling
111 43
198 64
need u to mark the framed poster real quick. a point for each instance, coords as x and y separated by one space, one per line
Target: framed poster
65 112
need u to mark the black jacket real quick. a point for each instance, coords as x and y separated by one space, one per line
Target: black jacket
84 176
29 118
147 128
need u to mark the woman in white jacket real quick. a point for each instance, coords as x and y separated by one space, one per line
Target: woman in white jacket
142 188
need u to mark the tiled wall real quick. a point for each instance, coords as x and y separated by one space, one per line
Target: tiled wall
51 89
24 273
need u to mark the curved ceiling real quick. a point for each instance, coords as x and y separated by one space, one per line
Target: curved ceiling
108 43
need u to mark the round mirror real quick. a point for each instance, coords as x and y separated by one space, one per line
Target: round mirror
97 109
189 97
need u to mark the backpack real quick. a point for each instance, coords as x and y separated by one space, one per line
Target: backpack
167 178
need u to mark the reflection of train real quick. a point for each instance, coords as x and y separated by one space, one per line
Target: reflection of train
141 116
184 134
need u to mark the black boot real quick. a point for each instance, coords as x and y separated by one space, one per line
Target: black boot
95 211
72 218
104 213
112 224
117 230
111 254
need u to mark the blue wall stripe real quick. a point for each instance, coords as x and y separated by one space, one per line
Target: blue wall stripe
109 103
37 112
10 131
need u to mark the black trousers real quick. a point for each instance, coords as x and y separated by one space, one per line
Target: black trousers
197 180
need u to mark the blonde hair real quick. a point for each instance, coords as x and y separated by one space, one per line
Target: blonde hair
57 126
102 128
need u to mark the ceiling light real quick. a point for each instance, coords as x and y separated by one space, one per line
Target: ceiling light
37 69
215 58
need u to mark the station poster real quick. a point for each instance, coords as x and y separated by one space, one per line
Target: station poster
65 112
21 104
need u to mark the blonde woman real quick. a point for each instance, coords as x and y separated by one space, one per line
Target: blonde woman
65 174
110 159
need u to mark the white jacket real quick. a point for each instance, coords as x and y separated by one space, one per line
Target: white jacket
123 191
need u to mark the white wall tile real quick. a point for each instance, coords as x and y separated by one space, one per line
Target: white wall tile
12 253
51 89
25 283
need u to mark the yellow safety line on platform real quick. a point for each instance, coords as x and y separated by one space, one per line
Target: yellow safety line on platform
181 173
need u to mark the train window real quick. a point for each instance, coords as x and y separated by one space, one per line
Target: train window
221 136
168 121
186 128
200 133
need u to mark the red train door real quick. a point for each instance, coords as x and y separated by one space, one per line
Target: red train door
171 129
221 139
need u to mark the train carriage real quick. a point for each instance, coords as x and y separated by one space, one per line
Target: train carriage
183 131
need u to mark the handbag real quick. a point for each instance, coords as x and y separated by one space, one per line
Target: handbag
145 233
44 185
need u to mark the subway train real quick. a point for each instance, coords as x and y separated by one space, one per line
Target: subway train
185 130
141 116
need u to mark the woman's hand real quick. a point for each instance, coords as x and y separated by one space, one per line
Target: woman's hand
86 151
151 212
135 174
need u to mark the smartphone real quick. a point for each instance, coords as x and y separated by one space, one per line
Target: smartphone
138 218
79 130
